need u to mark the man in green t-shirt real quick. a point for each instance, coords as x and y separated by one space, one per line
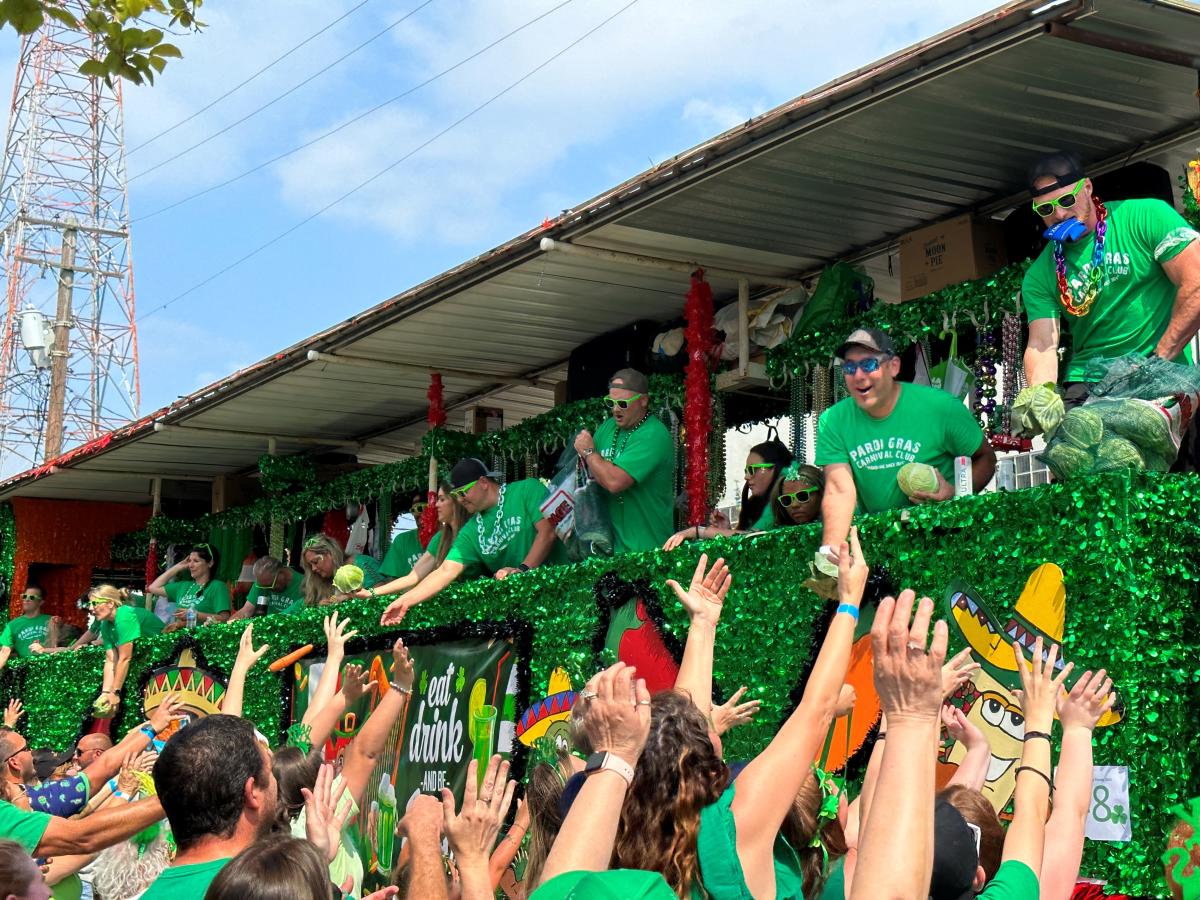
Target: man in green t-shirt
507 533
632 457
276 588
406 547
864 440
1132 286
217 788
31 627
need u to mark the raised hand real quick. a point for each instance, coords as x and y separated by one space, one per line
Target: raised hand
1039 687
852 570
962 729
13 714
356 681
616 712
402 665
958 671
336 635
472 831
1087 702
908 676
705 596
731 713
247 656
322 819
168 709
424 816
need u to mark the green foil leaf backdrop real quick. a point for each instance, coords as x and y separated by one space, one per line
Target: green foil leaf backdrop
1127 543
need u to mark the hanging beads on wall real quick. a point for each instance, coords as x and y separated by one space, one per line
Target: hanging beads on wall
716 451
1010 349
985 379
798 408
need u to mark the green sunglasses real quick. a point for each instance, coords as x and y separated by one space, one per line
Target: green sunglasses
613 403
1066 201
461 492
752 469
786 500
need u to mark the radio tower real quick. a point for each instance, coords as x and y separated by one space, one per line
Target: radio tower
68 351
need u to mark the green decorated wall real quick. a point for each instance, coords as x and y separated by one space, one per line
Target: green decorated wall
1127 543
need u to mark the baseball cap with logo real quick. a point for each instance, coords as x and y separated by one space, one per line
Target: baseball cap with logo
871 339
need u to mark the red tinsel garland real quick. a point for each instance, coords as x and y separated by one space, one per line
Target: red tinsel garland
437 418
697 397
152 561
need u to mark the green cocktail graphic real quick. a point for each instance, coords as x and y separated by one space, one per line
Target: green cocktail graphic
386 834
483 735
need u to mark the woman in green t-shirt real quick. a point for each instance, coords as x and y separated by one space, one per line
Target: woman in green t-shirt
451 517
205 595
119 626
322 557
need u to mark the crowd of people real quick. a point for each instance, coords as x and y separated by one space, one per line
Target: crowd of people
646 805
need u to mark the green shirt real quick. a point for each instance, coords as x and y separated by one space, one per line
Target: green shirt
26 828
22 631
643 516
128 624
184 882
927 425
1134 305
721 870
614 884
1013 881
212 598
501 537
766 521
279 600
347 863
406 549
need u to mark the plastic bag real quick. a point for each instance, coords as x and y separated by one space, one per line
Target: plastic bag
1134 418
951 375
578 510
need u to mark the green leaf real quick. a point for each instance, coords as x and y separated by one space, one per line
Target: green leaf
93 68
61 15
167 50
25 15
157 64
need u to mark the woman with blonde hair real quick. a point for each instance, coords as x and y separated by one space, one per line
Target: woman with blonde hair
321 559
120 626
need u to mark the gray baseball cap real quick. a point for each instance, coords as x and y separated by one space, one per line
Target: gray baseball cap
871 338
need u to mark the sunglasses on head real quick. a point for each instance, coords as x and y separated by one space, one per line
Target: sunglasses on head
1066 201
613 402
868 365
316 542
786 500
205 549
461 492
753 469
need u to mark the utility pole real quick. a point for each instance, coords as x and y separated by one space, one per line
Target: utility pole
61 353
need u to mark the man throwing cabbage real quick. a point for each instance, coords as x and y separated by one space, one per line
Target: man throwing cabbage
1122 277
867 441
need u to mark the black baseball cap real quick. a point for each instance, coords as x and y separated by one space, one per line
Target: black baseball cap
45 760
955 855
1062 165
871 338
468 470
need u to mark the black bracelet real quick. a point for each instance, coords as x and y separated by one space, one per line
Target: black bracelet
1039 772
881 736
523 567
697 532
1030 735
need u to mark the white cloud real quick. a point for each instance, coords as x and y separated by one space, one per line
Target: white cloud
178 357
713 118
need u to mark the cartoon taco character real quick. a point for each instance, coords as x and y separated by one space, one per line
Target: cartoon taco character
988 699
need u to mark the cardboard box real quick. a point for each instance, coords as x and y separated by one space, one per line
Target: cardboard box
949 253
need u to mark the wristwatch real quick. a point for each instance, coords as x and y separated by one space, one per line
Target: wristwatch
589 451
610 761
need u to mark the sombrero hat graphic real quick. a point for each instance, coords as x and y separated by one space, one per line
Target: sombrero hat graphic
554 707
1041 612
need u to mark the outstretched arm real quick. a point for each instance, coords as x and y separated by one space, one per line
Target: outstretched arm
837 505
1078 712
972 771
231 703
366 748
99 830
441 578
703 601
336 637
770 783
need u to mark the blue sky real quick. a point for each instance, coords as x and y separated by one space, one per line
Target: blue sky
659 78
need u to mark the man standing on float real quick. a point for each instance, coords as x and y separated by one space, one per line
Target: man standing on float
1122 277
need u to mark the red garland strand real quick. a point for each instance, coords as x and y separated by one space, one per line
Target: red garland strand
697 397
152 561
437 419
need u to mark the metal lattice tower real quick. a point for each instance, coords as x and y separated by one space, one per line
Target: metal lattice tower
64 220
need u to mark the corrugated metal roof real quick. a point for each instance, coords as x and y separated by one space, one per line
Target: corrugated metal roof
941 128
